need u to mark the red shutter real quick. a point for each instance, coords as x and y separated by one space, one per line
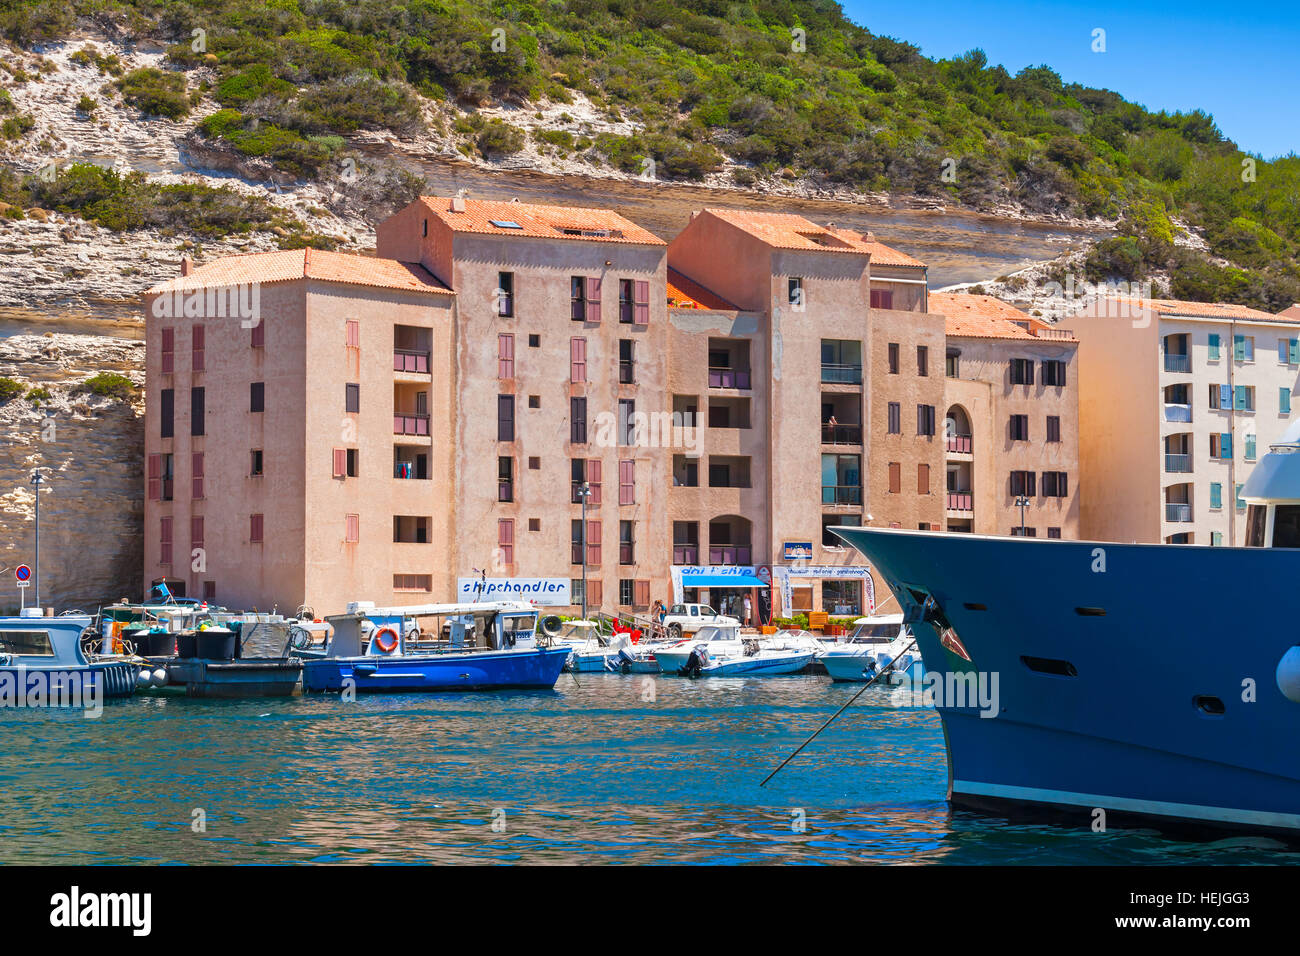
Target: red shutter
340 462
895 477
593 298
259 334
168 351
593 480
577 360
254 529
505 356
353 333
196 531
506 539
198 345
197 460
164 540
641 312
593 594
154 485
922 479
593 543
641 593
352 529
627 482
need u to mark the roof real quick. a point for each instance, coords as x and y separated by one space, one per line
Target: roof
881 254
684 293
1199 310
495 218
787 231
984 317
285 265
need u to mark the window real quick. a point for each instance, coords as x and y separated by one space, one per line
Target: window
895 478
922 360
168 351
352 397
165 540
1024 483
1241 502
197 355
345 463
925 419
686 473
1214 346
167 414
506 294
1056 484
584 470
1053 372
1019 532
1053 428
895 418
952 363
255 529
505 355
534 341
257 396
257 334
196 411
351 529
196 531
1216 495
534 401
1216 539
353 332
255 463
196 475
1243 348
1244 399
626 362
794 289
578 420
1221 445
626 546
1020 428
882 298
922 479
534 524
505 418
506 539
505 479
592 596
625 303
1022 372
584 295
534 463
1220 396
577 360
641 312
1250 448
627 430
1053 532
893 358
627 482
1288 351
412 582
1284 401
593 543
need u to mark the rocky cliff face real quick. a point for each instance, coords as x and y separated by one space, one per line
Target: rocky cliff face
90 449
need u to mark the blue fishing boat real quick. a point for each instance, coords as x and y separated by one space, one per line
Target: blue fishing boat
435 647
1091 682
45 661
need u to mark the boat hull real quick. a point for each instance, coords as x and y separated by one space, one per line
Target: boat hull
857 668
484 670
759 666
1109 691
78 683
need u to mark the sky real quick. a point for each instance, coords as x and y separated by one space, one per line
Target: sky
1236 61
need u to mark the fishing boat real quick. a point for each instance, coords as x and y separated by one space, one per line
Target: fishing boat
46 656
866 653
1089 681
718 650
483 646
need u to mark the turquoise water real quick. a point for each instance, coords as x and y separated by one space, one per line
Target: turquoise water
588 773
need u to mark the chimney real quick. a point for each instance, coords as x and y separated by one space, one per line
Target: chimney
187 265
458 204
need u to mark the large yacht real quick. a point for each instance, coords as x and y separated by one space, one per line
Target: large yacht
1112 684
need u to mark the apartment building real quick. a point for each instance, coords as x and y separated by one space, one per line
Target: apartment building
1177 400
1012 420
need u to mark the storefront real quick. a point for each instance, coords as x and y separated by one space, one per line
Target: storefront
839 591
724 588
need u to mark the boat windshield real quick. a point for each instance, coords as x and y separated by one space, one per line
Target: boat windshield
1286 526
874 633
27 643
517 625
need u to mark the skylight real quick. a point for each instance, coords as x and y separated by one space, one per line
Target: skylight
505 224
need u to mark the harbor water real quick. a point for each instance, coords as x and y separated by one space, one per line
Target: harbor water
604 769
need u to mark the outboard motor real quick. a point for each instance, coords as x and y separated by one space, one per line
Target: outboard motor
698 660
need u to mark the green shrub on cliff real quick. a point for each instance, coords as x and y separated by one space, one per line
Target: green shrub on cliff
39 394
10 389
156 92
109 385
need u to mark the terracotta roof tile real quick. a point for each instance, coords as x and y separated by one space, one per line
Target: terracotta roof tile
984 317
1200 310
488 217
684 293
881 254
287 264
788 231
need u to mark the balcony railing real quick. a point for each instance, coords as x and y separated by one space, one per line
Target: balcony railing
409 360
1177 363
961 501
686 554
730 555
842 374
1178 413
961 444
410 424
728 378
1178 512
841 495
841 434
404 469
1178 463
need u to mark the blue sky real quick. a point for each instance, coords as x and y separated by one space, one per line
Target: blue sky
1237 61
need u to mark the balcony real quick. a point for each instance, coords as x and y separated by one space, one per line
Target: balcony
730 555
411 360
841 434
841 494
961 501
841 374
1178 464
1178 363
1178 413
411 425
961 444
686 554
1178 512
728 378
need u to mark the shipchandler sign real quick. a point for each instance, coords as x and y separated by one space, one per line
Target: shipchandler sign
547 591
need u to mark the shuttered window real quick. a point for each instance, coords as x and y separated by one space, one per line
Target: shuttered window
196 531
352 529
505 355
257 335
340 462
593 298
1214 347
593 480
197 476
627 482
197 343
578 421
641 312
167 413
168 351
1216 495
165 540
196 411
255 529
1284 401
594 594
154 484
577 359
895 477
593 543
506 539
353 334
922 479
641 594
505 418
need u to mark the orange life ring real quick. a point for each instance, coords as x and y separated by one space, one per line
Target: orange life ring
391 645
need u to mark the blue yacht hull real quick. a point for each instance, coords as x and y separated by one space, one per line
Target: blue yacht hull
1138 680
479 670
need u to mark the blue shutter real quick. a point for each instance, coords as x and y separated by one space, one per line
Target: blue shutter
1295 351
1216 495
1225 396
1241 502
1225 445
1239 348
1250 448
1284 400
1240 401
1214 346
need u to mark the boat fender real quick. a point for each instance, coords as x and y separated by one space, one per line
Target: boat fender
159 677
386 645
1288 674
143 678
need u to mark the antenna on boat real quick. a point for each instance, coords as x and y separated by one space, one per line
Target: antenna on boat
37 480
482 577
881 673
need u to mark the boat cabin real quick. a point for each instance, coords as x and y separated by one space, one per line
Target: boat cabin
367 631
1272 495
883 629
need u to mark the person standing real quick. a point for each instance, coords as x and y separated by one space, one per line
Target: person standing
749 612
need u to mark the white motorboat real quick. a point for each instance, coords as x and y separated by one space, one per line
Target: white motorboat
589 649
718 650
874 643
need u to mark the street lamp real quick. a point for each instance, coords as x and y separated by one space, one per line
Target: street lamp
584 492
1022 502
37 480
